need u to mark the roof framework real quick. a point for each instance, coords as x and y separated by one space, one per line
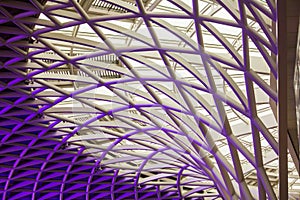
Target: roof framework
120 99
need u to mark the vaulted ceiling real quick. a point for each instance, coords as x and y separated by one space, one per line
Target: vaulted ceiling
145 99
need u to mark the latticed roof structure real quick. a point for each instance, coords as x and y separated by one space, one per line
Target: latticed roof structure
140 99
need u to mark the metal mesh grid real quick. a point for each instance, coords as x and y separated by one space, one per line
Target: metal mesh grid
138 100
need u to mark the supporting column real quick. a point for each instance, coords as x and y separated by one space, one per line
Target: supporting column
282 97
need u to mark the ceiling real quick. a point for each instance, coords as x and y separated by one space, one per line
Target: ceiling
145 99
